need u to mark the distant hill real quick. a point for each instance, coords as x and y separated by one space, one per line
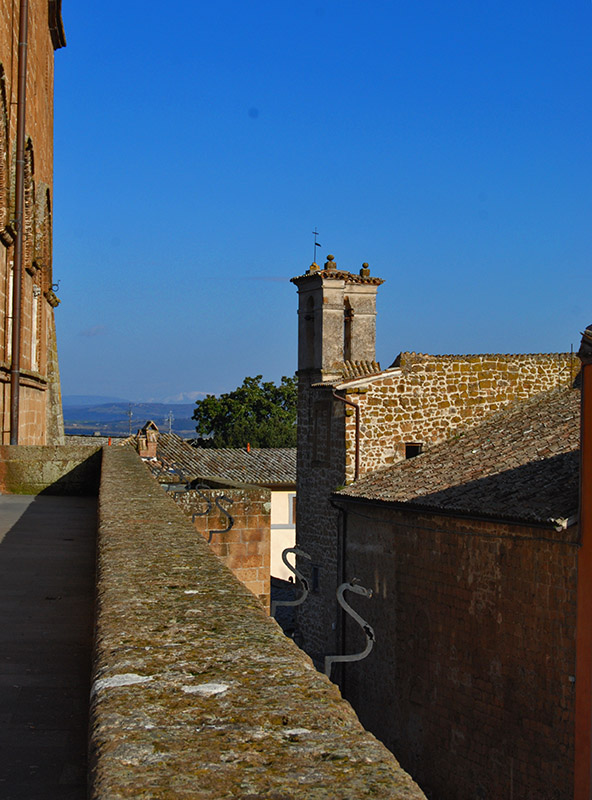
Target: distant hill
89 399
110 417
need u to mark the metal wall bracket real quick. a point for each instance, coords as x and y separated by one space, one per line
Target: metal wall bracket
352 586
224 511
299 577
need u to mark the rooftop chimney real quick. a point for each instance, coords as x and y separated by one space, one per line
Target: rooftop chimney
147 440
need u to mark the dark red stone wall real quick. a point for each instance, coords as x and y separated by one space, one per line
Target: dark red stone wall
40 396
471 681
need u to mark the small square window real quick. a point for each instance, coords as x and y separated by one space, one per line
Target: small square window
413 449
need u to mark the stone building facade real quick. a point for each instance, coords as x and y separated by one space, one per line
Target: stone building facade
471 551
354 418
41 419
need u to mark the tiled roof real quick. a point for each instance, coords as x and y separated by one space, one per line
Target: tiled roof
521 464
360 369
338 275
355 373
273 466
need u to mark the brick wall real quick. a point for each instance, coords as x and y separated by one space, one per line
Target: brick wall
429 397
37 405
196 692
245 548
470 682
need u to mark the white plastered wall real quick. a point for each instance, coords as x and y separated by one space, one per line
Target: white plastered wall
283 531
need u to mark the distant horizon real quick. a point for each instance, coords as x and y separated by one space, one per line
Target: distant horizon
95 399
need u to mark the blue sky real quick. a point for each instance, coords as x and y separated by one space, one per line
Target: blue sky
447 144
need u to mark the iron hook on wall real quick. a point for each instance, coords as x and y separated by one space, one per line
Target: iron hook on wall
224 511
299 577
352 586
197 488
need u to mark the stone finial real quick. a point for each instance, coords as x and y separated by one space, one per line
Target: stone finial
365 271
585 351
330 263
314 267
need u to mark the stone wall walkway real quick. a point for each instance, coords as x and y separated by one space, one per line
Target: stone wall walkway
47 563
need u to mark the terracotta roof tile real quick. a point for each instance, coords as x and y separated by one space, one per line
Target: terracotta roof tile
522 464
338 274
273 466
359 369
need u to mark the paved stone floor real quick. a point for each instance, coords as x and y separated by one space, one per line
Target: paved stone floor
47 562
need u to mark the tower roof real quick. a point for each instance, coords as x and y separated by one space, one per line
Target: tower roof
330 272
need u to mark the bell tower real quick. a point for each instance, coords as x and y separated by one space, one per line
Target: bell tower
336 320
336 339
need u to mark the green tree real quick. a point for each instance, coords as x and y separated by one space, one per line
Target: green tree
257 412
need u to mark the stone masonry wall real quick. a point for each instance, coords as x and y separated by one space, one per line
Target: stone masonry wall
424 400
320 470
428 398
245 548
54 413
29 469
196 692
471 680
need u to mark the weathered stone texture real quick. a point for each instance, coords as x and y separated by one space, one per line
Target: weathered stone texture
54 413
471 680
428 398
245 548
31 469
424 399
320 470
197 693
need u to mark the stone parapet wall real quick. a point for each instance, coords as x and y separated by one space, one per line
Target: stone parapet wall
245 547
32 469
424 399
196 692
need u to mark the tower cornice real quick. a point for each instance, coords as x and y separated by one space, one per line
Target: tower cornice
336 275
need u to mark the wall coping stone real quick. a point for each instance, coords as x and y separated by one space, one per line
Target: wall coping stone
196 692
